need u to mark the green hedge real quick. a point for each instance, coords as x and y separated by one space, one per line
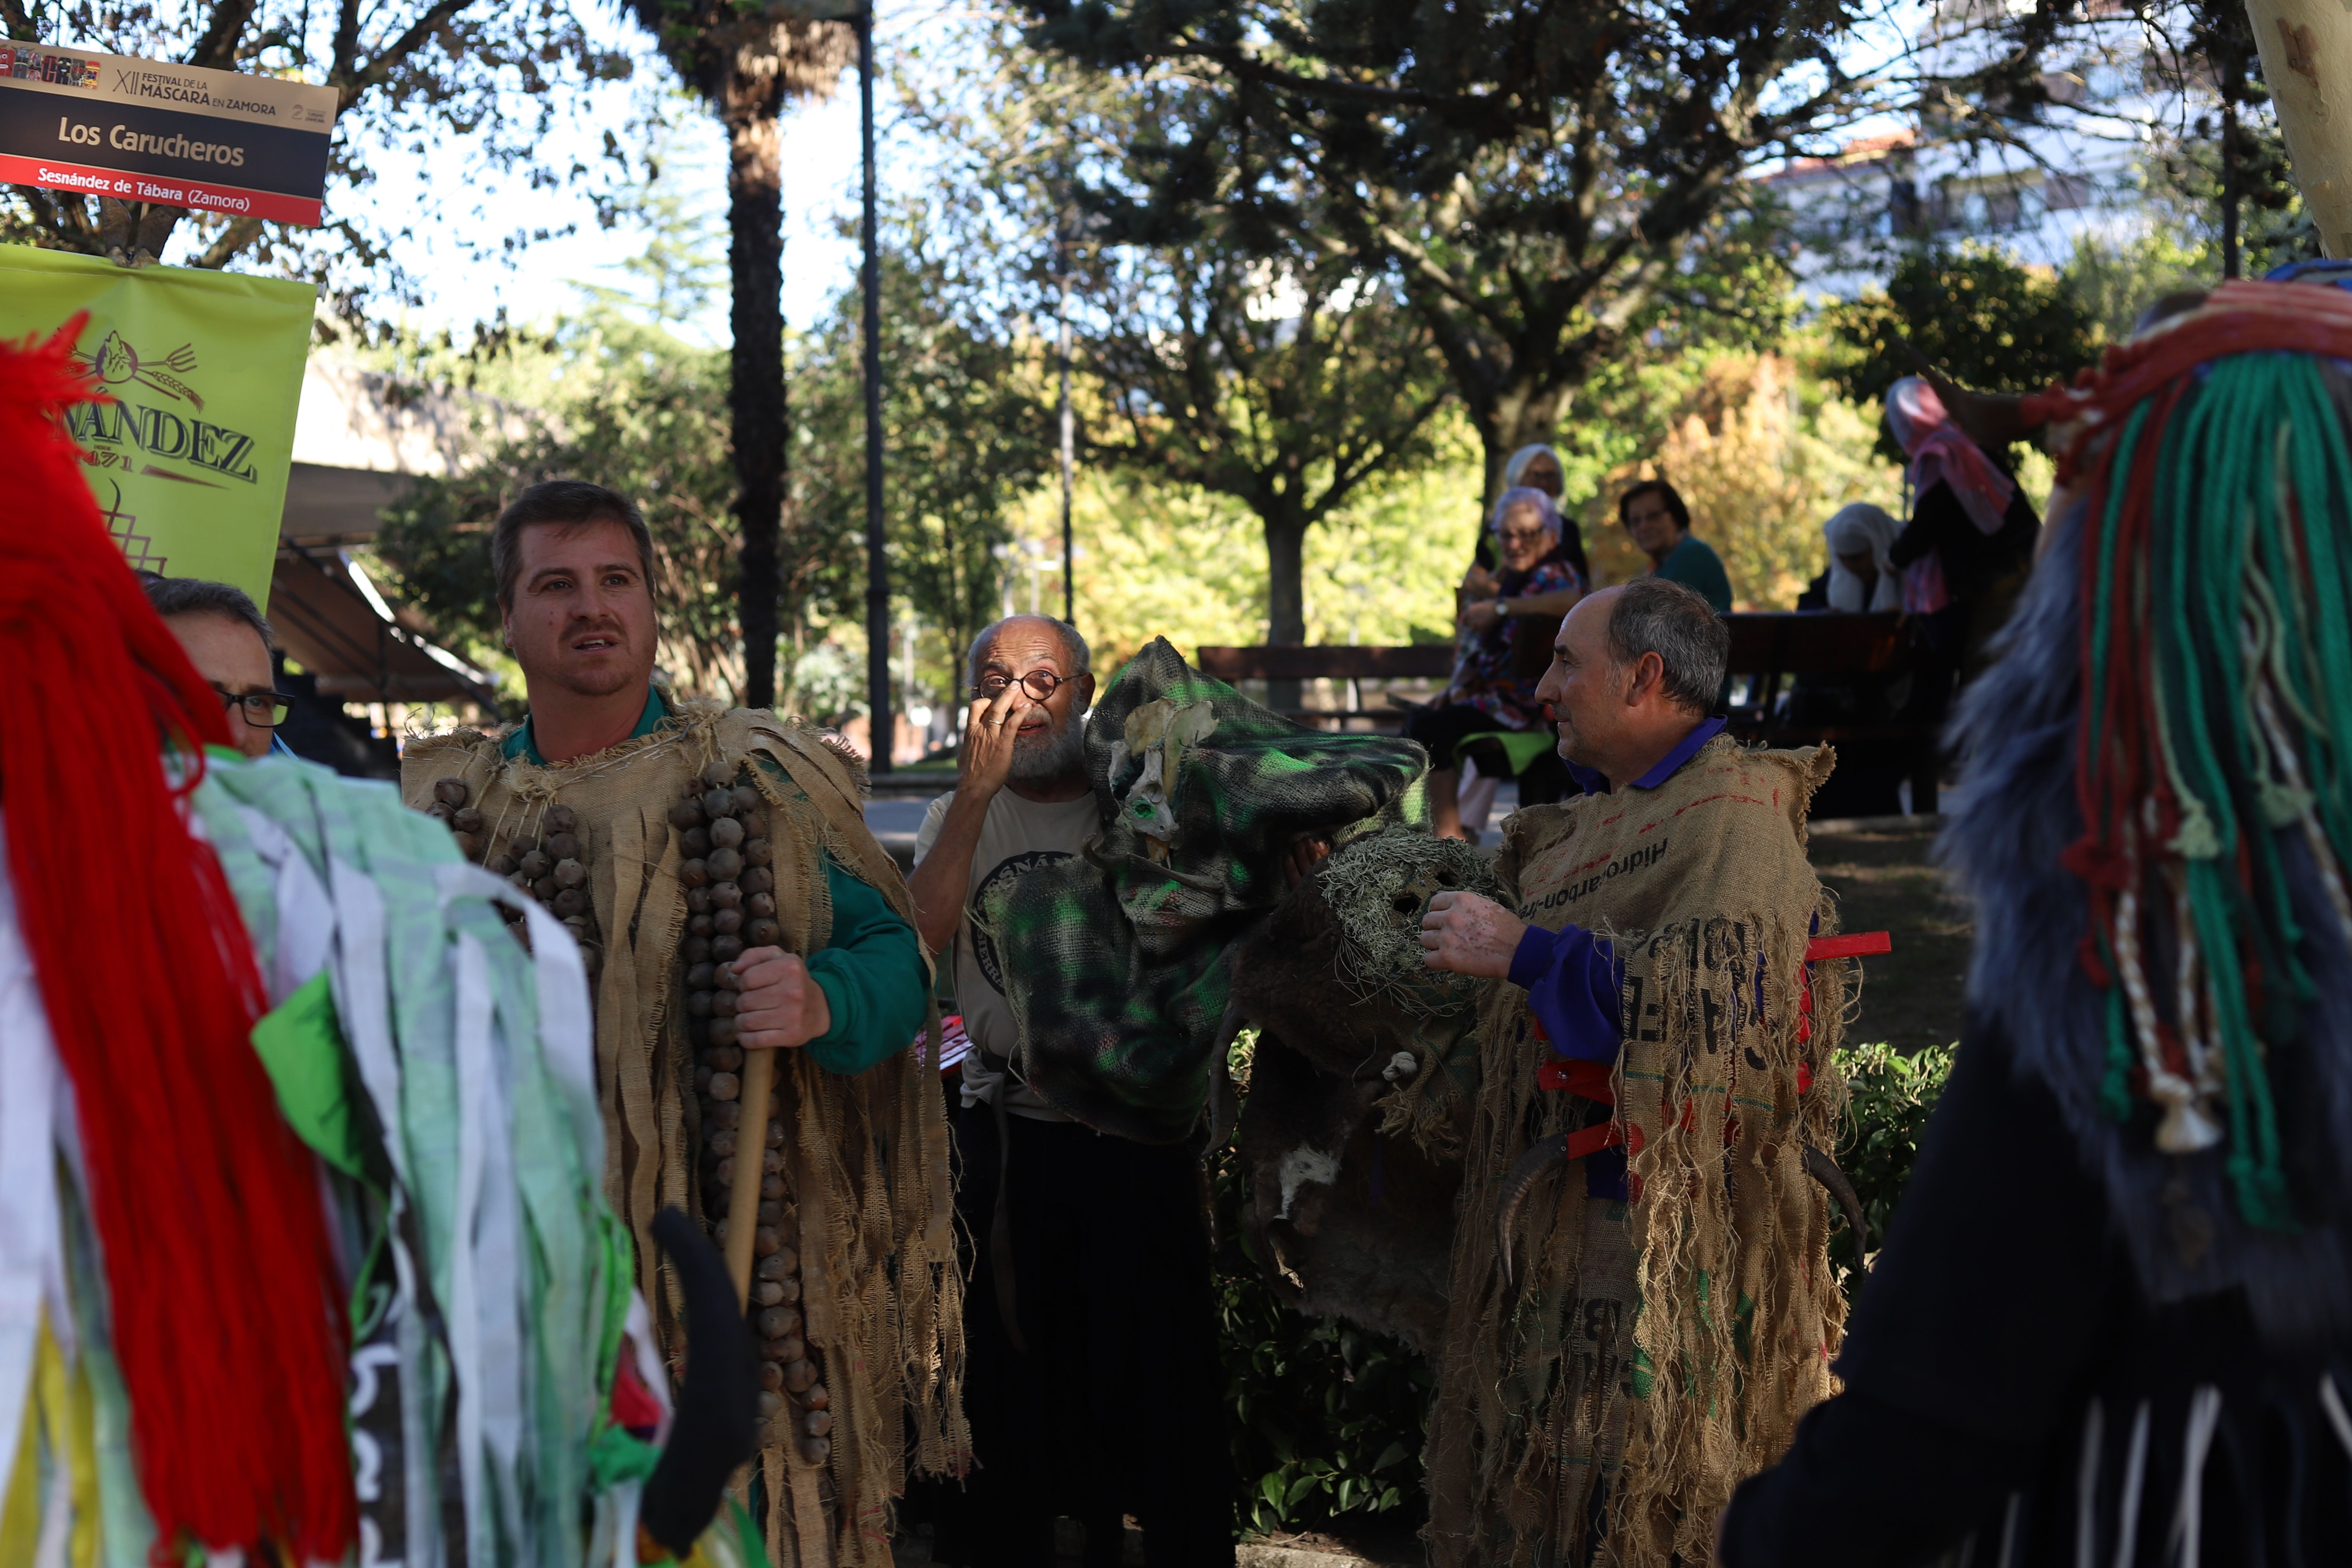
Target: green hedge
1328 1418
1892 1095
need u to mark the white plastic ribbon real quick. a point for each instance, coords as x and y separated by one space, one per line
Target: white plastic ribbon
567 1035
485 1327
363 999
2196 1443
30 1240
2135 1483
306 914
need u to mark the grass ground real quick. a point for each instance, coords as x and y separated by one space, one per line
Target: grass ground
1884 881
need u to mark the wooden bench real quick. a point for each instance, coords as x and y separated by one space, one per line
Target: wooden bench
1770 646
1418 661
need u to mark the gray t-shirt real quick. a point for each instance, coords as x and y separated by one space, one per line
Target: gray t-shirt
1015 835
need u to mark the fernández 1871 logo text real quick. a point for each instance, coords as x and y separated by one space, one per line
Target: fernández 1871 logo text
135 435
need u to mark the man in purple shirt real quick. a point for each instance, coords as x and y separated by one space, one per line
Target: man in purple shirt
1688 1039
1624 669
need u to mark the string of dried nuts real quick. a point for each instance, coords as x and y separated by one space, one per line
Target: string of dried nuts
549 861
730 908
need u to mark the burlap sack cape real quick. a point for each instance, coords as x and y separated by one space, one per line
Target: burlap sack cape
1654 1352
868 1196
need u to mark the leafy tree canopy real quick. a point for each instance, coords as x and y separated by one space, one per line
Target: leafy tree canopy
967 426
1542 178
1976 314
605 395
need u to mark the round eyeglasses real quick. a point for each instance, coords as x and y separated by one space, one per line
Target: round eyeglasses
1040 684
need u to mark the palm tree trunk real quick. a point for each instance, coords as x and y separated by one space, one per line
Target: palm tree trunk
755 259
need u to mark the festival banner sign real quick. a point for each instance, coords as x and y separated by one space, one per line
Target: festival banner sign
146 131
189 461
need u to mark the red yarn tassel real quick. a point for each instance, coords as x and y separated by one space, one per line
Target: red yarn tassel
224 1300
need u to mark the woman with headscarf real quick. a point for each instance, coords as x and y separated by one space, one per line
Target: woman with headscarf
1964 553
1507 639
1861 575
1861 579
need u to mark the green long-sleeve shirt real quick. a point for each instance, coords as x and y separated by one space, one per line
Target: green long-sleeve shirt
1695 564
870 969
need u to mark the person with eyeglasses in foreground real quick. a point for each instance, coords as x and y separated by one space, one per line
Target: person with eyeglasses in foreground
225 638
1092 1385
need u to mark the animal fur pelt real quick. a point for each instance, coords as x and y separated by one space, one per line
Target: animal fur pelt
1351 1204
2006 834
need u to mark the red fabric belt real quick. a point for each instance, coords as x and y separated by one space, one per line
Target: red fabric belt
1593 1139
1591 1079
1859 944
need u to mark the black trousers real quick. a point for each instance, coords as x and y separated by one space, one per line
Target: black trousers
1441 730
1115 1405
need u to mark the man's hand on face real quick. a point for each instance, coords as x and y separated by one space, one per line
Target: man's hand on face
990 733
780 1005
1470 935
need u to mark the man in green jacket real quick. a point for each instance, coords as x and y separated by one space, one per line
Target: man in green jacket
1658 521
579 614
715 867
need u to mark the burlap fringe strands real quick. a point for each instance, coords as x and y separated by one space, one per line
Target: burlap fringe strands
864 1162
1653 1350
1569 1426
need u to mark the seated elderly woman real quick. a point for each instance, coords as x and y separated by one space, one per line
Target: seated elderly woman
1861 579
1506 644
1862 573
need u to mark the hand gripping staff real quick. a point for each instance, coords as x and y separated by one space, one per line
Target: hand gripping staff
750 1139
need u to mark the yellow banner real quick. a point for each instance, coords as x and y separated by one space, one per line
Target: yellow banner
189 461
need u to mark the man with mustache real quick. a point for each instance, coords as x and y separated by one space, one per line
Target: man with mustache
1092 1385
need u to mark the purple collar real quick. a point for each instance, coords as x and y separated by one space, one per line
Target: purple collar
1593 783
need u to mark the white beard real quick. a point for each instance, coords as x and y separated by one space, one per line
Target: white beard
1064 753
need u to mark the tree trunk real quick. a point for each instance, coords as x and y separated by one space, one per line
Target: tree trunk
129 228
1285 598
2232 89
755 253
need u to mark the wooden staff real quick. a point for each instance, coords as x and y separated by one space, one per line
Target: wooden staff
2307 47
751 1162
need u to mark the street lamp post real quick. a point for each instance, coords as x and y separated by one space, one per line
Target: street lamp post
869 278
877 564
1069 576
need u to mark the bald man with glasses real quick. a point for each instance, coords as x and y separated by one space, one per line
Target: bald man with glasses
1092 1385
228 642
